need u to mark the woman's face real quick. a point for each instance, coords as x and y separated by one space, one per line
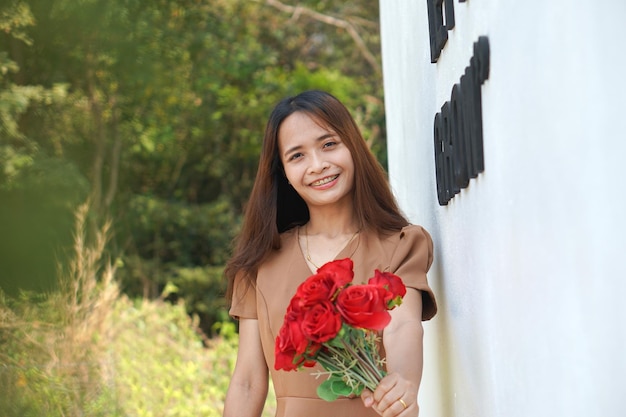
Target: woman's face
317 163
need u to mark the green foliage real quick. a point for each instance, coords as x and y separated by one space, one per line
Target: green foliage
14 18
202 288
52 345
85 350
155 364
158 226
333 388
161 366
36 218
156 111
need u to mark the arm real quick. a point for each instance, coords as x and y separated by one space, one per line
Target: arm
249 384
403 341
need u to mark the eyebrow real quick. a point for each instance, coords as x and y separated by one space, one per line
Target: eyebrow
321 138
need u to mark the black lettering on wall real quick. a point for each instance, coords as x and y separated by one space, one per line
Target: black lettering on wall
439 155
459 139
437 28
458 128
448 6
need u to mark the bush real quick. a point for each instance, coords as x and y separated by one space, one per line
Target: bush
52 346
160 366
155 364
86 350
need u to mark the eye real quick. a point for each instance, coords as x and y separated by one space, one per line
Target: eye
294 156
329 144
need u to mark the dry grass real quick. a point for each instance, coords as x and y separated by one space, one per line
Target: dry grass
86 350
56 343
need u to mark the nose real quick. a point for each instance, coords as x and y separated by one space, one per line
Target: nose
318 164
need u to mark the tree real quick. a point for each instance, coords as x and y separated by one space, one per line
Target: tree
37 197
155 110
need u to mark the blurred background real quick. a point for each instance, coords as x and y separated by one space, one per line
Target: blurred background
129 138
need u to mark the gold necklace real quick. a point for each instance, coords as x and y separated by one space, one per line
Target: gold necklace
306 238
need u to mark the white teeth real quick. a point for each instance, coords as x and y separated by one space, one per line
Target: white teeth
324 181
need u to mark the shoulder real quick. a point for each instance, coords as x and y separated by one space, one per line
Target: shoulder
395 247
289 235
413 243
288 239
411 260
410 234
415 231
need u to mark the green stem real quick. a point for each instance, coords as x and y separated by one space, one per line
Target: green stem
365 369
330 363
366 361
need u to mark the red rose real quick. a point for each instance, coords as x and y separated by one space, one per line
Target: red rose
295 309
293 348
290 345
340 270
321 323
364 306
391 283
318 288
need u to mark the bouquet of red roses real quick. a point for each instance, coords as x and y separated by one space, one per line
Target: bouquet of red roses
335 323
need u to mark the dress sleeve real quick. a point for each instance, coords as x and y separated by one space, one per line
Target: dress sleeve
411 261
243 303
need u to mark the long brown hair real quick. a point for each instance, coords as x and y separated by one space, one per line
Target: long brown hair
275 207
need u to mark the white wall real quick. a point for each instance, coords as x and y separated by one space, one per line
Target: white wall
530 262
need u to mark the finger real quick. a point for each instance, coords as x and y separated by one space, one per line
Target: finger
385 386
397 408
392 405
402 403
367 397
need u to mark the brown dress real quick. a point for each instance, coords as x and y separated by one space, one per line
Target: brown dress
407 253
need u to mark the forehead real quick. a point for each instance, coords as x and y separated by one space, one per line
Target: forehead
299 127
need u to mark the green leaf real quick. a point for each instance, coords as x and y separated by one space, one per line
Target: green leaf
325 392
333 388
339 387
336 341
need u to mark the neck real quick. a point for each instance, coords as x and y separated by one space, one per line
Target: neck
332 222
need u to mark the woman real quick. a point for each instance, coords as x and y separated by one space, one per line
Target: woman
320 195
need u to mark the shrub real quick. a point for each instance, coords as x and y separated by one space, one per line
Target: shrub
86 350
52 345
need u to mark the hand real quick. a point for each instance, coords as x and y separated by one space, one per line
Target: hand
386 398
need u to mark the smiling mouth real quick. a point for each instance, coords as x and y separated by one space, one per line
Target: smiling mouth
324 180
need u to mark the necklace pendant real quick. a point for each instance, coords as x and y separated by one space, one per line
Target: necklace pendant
308 254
